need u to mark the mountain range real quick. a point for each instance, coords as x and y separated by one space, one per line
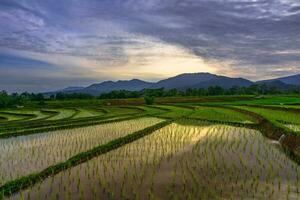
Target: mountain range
181 82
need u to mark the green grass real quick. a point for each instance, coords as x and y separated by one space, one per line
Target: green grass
63 113
173 112
37 113
122 110
73 103
286 106
261 100
270 100
59 114
277 117
86 113
152 110
220 114
12 117
109 111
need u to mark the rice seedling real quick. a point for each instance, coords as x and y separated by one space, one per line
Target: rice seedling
2 118
86 113
37 114
63 114
122 110
37 126
220 114
173 111
285 106
200 161
294 127
280 118
151 110
11 116
28 154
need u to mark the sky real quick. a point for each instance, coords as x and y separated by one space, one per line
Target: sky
51 44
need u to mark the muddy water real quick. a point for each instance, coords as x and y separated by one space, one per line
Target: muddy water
181 162
27 154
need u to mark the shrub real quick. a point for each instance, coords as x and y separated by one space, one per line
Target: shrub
149 100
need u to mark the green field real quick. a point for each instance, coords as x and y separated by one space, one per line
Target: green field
281 118
177 148
36 114
220 114
11 117
62 114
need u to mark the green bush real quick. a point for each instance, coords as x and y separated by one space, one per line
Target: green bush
149 100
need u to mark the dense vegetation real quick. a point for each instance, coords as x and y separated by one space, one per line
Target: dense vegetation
64 96
259 89
14 99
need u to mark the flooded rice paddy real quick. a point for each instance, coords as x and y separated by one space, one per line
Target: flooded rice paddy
180 161
23 155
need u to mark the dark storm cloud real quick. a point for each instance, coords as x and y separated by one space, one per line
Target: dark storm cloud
258 37
248 32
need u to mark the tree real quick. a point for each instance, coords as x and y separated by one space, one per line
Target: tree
60 96
4 99
149 100
215 90
154 92
171 93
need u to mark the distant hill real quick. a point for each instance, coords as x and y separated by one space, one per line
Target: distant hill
278 84
224 82
181 82
69 89
107 86
184 80
292 80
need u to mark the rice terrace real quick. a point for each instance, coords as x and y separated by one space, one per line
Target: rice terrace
209 148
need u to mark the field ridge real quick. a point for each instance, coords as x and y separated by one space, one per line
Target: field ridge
24 182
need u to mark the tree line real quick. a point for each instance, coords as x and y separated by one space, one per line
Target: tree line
8 100
14 99
261 89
